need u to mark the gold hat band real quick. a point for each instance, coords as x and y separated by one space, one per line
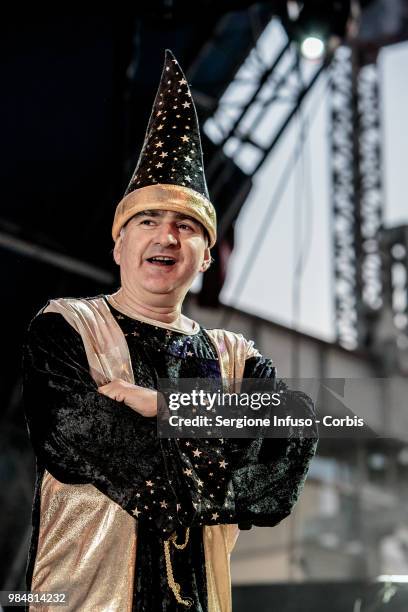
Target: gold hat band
166 197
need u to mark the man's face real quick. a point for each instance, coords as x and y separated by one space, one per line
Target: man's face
161 252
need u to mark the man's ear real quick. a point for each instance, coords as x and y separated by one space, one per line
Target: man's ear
118 247
206 260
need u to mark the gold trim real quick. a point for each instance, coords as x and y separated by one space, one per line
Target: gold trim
219 540
105 345
82 535
166 197
233 350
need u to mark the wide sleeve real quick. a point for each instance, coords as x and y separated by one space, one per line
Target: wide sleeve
245 481
269 478
79 435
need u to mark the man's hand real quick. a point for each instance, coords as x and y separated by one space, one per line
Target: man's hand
140 399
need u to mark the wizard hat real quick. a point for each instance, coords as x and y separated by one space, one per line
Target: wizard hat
169 174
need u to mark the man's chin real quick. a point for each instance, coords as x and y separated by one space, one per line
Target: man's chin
161 287
166 286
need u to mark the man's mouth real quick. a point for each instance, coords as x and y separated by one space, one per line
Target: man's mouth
161 260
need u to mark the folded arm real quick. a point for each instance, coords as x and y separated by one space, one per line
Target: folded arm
79 434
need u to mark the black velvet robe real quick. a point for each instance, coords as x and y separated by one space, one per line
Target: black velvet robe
71 426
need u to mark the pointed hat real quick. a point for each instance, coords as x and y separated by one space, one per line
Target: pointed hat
169 174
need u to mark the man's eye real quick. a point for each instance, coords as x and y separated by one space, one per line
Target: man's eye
185 226
146 221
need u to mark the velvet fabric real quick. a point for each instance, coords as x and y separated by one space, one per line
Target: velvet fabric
81 436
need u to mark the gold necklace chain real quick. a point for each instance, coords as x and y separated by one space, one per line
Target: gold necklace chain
175 587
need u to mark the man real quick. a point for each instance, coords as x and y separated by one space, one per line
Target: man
122 519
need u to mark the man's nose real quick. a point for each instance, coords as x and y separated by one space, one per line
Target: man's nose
167 235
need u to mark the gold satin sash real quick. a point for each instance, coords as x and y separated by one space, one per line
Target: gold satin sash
219 540
87 543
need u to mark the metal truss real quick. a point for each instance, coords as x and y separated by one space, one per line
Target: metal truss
394 248
265 87
356 196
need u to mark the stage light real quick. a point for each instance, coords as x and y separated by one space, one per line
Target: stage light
312 48
318 26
